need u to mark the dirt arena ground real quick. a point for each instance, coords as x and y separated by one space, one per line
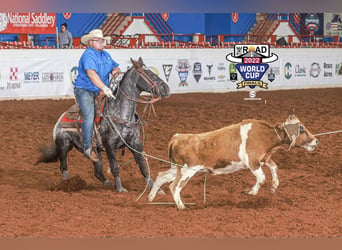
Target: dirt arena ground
35 202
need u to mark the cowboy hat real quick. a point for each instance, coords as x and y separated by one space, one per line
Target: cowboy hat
97 33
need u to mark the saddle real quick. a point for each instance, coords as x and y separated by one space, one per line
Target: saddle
73 115
72 119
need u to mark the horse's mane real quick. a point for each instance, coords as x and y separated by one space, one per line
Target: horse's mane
125 75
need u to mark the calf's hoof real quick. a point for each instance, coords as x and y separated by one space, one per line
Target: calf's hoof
161 192
249 192
181 207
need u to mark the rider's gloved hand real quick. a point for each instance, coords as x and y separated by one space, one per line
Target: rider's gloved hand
108 92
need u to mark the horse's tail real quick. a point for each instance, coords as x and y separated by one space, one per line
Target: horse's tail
47 153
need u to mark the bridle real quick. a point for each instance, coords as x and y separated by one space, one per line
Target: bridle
153 82
151 79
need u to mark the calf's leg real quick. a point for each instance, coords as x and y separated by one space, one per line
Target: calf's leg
273 168
231 168
260 180
184 174
162 178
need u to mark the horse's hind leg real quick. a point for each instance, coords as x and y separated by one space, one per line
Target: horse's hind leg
63 147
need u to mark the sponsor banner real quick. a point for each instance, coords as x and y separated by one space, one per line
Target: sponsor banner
333 24
53 77
36 74
51 73
313 23
28 23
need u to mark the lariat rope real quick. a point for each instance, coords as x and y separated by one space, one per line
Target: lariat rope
327 133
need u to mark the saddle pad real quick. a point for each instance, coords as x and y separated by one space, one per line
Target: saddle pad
73 113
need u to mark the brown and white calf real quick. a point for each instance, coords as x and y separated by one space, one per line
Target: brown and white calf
246 145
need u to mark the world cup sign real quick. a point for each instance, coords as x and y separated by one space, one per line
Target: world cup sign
252 63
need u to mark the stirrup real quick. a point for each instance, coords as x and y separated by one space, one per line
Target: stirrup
91 154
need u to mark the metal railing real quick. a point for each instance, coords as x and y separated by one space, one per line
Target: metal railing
197 41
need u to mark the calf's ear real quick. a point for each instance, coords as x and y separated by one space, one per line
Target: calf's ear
292 119
278 126
292 115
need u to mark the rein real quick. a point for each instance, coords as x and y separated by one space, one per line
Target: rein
153 100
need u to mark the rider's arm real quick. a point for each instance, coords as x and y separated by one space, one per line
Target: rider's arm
95 79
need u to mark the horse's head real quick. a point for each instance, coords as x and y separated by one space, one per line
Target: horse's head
149 81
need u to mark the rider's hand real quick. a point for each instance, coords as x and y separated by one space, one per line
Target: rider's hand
115 72
108 92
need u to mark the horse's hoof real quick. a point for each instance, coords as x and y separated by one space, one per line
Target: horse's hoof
65 175
107 183
122 190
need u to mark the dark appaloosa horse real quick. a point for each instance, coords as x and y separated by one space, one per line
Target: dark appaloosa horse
119 125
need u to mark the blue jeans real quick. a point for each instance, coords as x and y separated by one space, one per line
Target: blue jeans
86 101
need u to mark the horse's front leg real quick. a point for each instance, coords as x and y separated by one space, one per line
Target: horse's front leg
98 171
139 159
114 168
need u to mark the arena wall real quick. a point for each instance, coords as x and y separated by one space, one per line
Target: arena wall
49 73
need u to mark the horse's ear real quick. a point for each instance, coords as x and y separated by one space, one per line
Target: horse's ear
135 63
140 60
